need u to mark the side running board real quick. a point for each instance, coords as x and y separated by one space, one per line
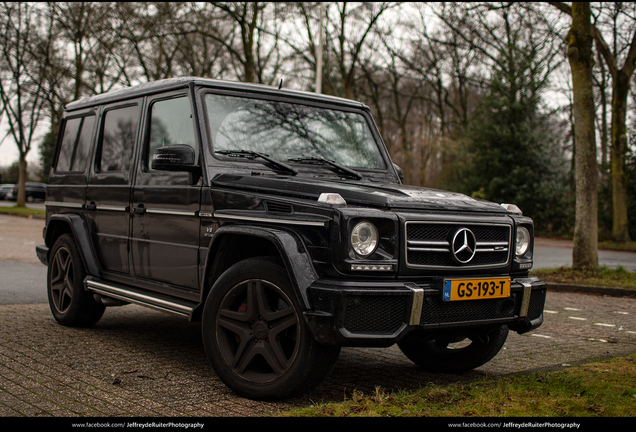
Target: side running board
131 295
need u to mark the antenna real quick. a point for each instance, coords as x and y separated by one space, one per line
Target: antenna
280 84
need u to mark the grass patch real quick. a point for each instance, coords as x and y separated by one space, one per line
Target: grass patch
610 245
603 389
23 211
600 276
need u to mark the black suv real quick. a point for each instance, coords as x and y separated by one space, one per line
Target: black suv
277 219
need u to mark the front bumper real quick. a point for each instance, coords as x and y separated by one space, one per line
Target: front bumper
43 254
378 314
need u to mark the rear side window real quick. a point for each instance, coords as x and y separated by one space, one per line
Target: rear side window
75 145
118 139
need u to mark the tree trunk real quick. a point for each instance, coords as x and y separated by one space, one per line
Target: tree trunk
620 228
580 40
22 178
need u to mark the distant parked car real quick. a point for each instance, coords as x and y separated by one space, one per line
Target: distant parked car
5 189
34 192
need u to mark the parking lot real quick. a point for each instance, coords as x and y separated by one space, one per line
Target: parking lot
142 363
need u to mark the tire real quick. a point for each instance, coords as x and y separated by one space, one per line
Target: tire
255 336
70 303
455 356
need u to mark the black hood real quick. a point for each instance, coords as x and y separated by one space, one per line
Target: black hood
387 195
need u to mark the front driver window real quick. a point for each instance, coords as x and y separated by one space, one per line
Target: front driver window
170 123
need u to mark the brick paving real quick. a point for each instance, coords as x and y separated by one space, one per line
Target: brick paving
141 363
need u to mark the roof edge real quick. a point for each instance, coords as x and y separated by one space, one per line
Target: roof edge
180 82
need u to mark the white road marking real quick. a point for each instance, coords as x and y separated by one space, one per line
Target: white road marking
577 318
540 335
605 325
549 311
569 308
621 312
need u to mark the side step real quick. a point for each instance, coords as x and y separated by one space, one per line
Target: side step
132 295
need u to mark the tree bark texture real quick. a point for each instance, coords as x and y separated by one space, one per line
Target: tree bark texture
620 225
580 40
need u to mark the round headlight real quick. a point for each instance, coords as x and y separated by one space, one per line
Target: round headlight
523 241
364 238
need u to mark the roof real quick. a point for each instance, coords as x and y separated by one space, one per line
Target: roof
175 83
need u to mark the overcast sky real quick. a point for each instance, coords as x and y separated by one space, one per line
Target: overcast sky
9 150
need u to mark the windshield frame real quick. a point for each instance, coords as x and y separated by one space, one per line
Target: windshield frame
217 160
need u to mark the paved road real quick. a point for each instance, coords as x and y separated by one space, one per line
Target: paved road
139 362
23 276
556 253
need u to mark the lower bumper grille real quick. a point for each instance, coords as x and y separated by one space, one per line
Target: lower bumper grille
375 314
537 302
386 314
435 311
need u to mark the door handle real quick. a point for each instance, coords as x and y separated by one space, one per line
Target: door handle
91 206
140 209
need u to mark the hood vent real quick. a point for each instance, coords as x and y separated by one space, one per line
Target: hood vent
277 207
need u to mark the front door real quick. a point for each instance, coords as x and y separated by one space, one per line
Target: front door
165 206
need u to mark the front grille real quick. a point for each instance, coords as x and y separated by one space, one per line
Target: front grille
375 314
428 245
436 311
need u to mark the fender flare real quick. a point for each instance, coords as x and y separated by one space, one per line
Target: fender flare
290 247
79 230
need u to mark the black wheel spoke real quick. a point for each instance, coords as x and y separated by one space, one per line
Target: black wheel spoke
62 280
275 357
57 273
282 324
243 356
255 302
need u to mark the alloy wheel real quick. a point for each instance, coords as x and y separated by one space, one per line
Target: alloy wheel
258 330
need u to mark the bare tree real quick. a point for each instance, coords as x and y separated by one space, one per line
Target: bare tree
241 29
200 55
347 33
22 77
152 33
79 26
621 77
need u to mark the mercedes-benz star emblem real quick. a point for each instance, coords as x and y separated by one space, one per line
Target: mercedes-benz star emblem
464 246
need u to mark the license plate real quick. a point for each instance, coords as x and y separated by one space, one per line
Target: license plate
476 289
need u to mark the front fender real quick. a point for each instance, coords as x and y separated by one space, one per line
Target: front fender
291 250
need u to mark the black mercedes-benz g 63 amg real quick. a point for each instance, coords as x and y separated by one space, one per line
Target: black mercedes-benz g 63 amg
277 219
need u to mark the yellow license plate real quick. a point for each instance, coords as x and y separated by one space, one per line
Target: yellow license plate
476 289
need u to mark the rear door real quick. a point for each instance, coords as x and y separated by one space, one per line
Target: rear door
68 176
165 206
108 193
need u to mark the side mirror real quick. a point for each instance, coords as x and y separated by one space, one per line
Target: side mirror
178 157
399 173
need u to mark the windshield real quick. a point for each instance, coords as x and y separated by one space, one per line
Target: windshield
285 131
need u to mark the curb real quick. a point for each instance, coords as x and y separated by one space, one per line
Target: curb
591 289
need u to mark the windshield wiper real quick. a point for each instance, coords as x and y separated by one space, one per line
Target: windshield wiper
339 167
252 155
